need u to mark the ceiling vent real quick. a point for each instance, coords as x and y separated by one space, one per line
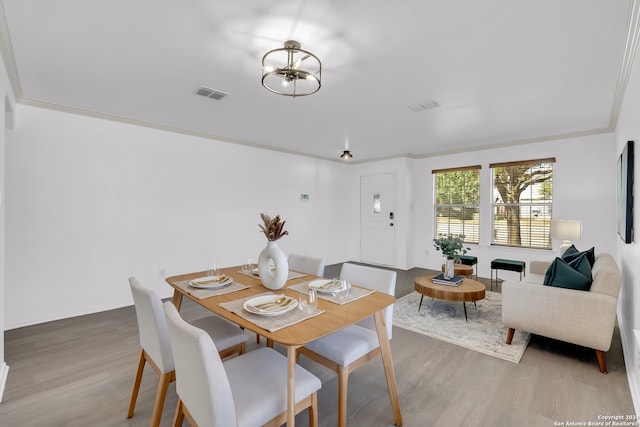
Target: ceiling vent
423 106
210 93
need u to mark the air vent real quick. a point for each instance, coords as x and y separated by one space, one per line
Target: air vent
423 106
210 93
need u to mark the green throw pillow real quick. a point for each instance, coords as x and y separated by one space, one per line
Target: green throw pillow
575 275
572 253
582 265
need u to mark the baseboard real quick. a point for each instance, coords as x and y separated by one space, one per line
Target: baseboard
4 373
628 346
67 315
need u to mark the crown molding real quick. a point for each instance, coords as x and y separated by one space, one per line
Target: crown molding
631 44
628 56
6 49
173 129
512 143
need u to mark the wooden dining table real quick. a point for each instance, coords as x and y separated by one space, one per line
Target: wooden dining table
334 318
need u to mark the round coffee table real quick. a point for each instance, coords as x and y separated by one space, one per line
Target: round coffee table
468 291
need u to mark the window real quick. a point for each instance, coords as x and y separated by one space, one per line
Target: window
522 202
457 202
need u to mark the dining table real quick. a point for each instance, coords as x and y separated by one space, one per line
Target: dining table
332 316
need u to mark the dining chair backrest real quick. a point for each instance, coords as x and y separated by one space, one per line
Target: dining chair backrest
306 264
152 326
201 381
377 279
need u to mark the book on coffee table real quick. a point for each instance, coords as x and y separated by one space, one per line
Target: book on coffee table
441 280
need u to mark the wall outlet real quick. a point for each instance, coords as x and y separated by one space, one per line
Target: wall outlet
161 273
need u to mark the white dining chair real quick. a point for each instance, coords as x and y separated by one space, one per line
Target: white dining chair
346 350
306 264
248 390
155 345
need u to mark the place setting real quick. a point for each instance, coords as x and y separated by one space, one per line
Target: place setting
249 268
213 284
334 290
272 311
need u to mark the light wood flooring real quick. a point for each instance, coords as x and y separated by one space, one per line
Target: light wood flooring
79 372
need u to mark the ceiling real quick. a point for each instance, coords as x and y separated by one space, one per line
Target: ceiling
501 71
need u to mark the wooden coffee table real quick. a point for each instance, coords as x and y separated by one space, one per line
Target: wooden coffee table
468 291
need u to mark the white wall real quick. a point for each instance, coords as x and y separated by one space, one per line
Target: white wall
8 101
628 128
583 188
91 202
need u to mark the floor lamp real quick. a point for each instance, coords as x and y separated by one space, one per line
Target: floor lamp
566 230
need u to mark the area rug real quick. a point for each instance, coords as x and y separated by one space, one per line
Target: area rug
444 320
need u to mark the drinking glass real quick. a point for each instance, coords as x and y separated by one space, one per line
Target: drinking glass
308 302
341 290
213 269
247 266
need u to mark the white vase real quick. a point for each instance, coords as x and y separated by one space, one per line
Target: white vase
276 276
449 268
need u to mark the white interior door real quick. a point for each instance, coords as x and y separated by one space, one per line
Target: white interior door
377 219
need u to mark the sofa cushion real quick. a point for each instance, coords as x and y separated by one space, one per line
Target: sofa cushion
574 275
572 253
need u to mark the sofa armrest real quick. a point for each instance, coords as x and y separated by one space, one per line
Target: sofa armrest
539 267
578 317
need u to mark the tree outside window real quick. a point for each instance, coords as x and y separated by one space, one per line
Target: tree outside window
522 202
457 202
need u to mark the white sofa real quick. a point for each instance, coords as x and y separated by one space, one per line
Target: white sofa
584 318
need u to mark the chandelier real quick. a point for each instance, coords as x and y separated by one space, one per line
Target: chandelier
291 71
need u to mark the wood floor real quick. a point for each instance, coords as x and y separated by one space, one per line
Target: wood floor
79 372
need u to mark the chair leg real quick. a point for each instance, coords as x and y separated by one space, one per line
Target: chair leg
510 333
602 363
343 385
161 394
178 418
313 411
136 384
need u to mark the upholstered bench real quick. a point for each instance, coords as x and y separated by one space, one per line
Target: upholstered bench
470 260
508 265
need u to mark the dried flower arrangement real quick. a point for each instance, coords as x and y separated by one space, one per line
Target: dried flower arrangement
272 228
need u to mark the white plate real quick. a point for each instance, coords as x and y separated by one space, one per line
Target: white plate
252 305
211 282
256 271
325 286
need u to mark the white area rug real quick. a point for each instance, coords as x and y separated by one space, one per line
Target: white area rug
444 320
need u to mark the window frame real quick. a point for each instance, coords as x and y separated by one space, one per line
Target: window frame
472 238
537 232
